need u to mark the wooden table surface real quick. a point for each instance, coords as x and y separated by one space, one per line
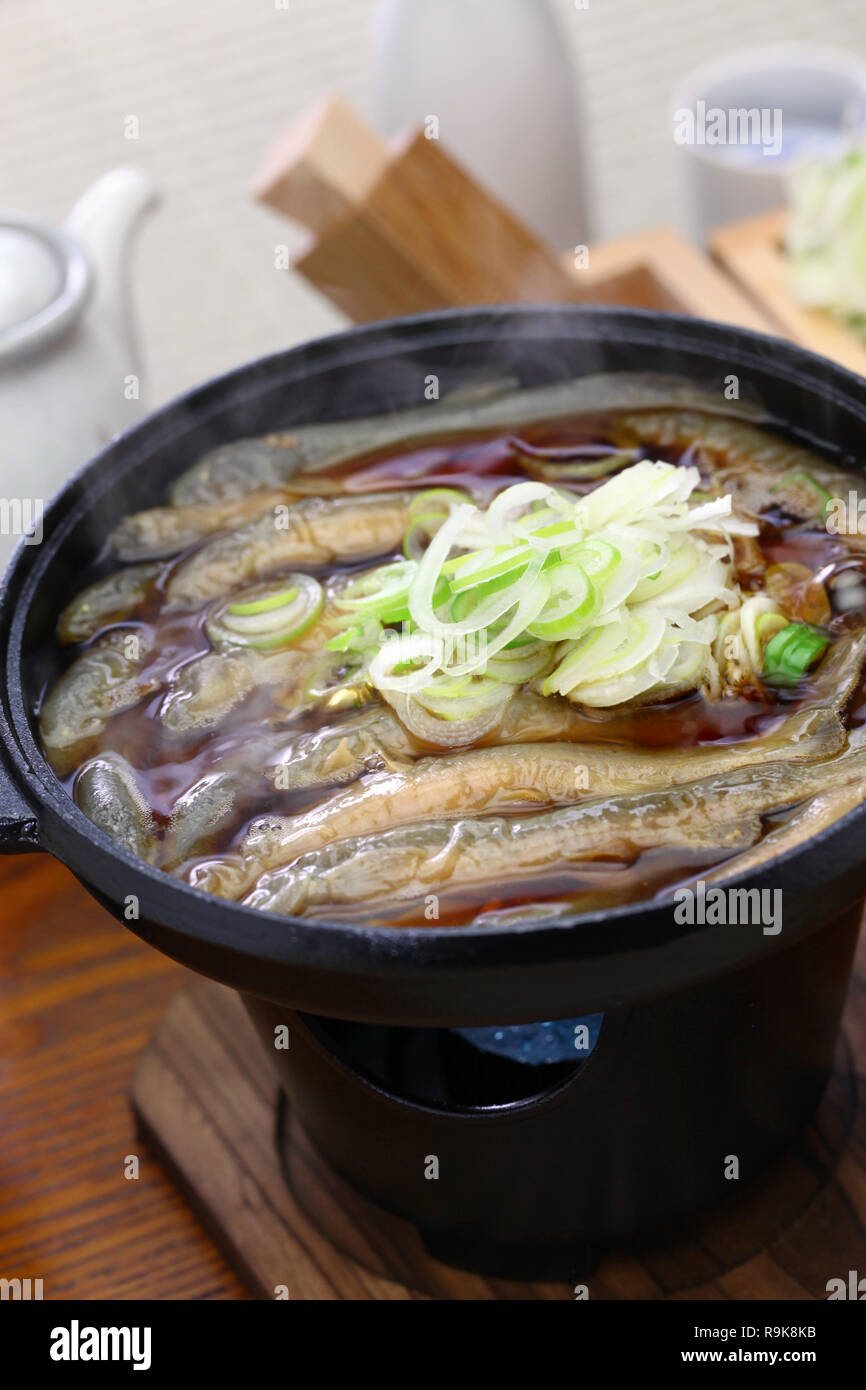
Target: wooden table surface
79 998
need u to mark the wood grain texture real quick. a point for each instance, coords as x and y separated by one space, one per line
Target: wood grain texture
427 236
323 166
207 1102
79 997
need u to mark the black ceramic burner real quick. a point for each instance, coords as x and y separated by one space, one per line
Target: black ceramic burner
538 1163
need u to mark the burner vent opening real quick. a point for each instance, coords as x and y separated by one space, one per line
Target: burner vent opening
466 1068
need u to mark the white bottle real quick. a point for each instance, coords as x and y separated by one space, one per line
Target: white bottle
496 75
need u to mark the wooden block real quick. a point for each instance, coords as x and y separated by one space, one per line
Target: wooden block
370 266
403 229
367 273
322 166
206 1102
427 237
660 269
752 251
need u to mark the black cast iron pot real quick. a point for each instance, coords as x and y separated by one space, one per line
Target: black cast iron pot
716 1040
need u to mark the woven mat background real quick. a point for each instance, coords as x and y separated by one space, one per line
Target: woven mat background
212 81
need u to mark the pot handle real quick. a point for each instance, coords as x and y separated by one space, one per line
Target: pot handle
19 827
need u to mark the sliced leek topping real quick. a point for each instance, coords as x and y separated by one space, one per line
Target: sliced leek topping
382 593
426 514
267 616
598 597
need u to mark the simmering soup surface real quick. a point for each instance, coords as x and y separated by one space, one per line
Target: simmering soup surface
518 653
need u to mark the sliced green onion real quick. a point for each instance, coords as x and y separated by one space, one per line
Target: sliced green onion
598 558
792 651
600 587
422 602
493 563
263 605
397 663
682 560
360 637
266 617
427 512
439 500
517 665
448 733
572 604
506 515
462 700
767 625
609 651
381 593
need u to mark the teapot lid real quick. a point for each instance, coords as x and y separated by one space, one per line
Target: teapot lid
45 280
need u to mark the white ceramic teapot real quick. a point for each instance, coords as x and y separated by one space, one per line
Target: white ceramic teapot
69 376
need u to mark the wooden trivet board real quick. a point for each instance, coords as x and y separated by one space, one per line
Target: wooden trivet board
205 1101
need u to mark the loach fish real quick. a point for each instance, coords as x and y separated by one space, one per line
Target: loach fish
411 862
109 600
166 531
207 689
200 814
810 819
249 465
764 470
835 680
720 813
277 761
107 678
485 780
376 741
108 794
313 532
372 741
243 466
368 742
